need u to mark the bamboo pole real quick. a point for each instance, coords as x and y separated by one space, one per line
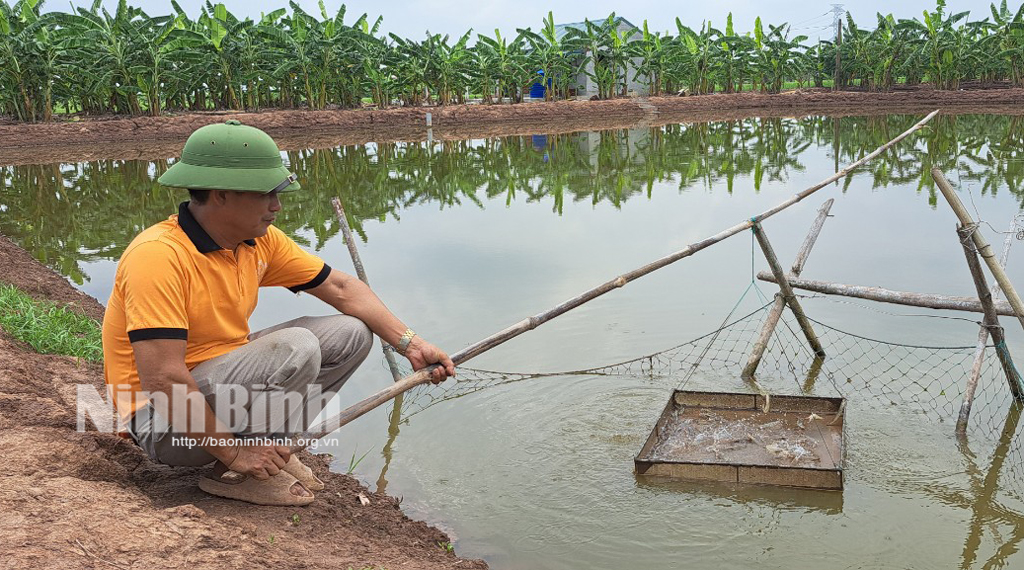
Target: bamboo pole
981 244
422 376
990 324
346 231
780 303
389 356
812 237
926 300
979 353
787 291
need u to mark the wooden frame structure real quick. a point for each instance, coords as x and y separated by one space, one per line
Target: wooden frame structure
973 243
423 376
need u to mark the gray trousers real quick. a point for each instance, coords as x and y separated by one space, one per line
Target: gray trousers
273 386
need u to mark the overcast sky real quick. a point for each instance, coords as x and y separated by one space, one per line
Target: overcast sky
454 17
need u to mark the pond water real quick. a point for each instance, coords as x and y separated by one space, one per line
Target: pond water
462 239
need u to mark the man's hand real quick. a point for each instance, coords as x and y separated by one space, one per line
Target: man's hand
421 354
353 297
260 461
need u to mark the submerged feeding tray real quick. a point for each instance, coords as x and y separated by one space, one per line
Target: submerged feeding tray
797 442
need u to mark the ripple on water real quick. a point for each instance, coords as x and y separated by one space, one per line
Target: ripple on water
555 462
900 454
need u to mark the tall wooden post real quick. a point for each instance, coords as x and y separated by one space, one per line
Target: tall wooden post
396 374
839 43
979 353
990 323
787 291
339 212
780 303
984 249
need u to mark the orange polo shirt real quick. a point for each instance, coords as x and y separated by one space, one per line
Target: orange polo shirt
173 281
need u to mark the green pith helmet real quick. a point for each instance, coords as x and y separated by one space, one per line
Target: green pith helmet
230 156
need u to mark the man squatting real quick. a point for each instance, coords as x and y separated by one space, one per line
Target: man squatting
177 321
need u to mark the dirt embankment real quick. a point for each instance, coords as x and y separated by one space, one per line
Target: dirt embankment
161 137
93 500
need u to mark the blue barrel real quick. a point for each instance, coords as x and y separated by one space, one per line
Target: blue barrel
537 91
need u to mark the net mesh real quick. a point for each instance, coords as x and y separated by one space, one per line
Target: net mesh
871 373
876 377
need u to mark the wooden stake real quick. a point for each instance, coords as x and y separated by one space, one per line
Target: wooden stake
837 80
926 300
979 353
422 376
990 324
780 303
787 291
346 231
981 244
812 237
389 356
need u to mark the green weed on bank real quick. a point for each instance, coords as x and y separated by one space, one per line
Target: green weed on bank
47 328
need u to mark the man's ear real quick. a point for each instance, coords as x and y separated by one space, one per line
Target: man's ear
219 197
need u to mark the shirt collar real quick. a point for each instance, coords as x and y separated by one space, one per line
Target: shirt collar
195 232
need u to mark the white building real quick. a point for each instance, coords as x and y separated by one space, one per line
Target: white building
583 84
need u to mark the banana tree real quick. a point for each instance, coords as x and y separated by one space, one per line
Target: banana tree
214 30
618 52
499 66
647 48
819 60
892 40
1008 36
942 45
592 41
104 42
14 89
733 57
27 61
336 58
373 56
778 57
858 53
447 67
30 61
701 52
298 49
410 71
550 57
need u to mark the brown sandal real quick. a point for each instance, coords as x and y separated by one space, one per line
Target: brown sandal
275 491
303 474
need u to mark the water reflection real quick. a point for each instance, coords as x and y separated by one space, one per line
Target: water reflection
988 511
67 214
782 498
394 427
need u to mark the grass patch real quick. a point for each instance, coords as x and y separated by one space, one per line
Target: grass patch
47 328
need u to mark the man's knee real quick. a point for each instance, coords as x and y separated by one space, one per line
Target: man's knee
301 351
351 340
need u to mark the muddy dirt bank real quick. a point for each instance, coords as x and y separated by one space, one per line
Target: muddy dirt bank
93 500
161 137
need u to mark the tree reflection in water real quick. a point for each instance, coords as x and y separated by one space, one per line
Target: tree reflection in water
67 214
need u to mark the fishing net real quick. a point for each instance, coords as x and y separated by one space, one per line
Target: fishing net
873 374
